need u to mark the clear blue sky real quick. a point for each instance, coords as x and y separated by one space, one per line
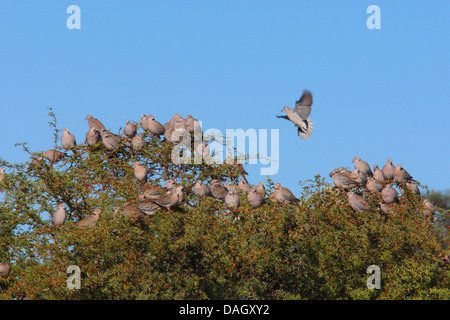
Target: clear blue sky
234 64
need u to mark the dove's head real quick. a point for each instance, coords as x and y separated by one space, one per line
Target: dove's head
88 117
356 159
151 117
277 185
285 109
375 166
389 160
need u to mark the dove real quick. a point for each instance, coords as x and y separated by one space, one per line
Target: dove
359 177
171 199
358 203
283 195
172 121
140 171
132 211
68 140
260 188
90 220
154 126
218 191
92 136
193 125
59 216
389 194
130 129
388 170
143 122
95 123
413 187
255 198
5 268
373 185
236 166
53 155
148 207
202 149
2 174
243 185
110 140
363 166
137 142
429 207
153 191
200 189
232 199
342 178
377 173
230 186
299 115
401 175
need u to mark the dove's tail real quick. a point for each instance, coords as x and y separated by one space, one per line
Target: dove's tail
305 130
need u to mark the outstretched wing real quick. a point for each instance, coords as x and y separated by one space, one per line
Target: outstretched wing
303 106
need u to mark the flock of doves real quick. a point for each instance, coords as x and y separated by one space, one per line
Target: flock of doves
154 197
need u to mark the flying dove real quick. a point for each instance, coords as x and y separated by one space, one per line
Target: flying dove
59 216
110 140
137 142
92 136
299 115
89 220
342 178
389 194
388 170
53 155
68 140
140 171
373 185
283 195
255 198
4 269
154 126
363 166
358 203
377 173
95 123
143 122
243 185
218 191
200 189
171 199
401 175
232 199
130 129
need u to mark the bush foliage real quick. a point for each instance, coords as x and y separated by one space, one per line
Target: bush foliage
319 249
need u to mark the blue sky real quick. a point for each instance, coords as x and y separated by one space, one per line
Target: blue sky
234 64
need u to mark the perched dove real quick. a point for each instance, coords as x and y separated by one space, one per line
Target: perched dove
218 191
193 125
299 115
154 126
95 123
230 186
388 170
229 160
342 178
429 207
377 173
358 203
172 121
59 216
153 192
53 155
143 122
137 142
373 185
255 198
389 194
140 171
171 185
89 220
232 199
171 199
92 136
200 189
363 166
68 140
110 140
243 185
413 187
283 195
4 269
359 177
148 207
401 175
130 129
133 211
260 188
